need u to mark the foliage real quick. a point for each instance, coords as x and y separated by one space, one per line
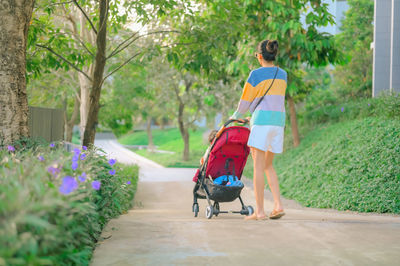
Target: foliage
386 106
169 140
347 166
355 78
38 224
236 28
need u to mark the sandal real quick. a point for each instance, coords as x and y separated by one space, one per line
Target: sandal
255 218
276 214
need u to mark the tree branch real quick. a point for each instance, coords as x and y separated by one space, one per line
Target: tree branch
195 117
119 67
77 38
75 33
64 59
86 16
122 43
115 52
177 95
53 4
61 3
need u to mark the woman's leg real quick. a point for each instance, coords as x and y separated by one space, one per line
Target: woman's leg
258 180
273 180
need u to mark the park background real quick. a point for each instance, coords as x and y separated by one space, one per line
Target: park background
161 75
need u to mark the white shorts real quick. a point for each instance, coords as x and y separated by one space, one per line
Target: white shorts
266 138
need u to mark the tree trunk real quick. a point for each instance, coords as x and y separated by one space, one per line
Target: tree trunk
69 124
15 17
85 86
184 132
162 125
100 62
84 83
150 145
293 122
186 155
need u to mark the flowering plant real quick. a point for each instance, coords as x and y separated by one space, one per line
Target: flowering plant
56 204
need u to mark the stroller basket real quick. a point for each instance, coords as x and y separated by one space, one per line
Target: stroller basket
220 193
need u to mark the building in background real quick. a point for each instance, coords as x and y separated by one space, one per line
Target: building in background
386 64
337 8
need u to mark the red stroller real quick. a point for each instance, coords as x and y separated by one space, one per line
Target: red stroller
227 156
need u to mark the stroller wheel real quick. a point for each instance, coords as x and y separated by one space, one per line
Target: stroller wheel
195 209
209 212
250 210
216 208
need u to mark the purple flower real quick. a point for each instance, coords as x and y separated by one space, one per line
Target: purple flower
40 158
84 148
83 156
75 158
111 172
369 104
342 109
68 185
52 145
82 177
128 182
96 185
10 148
112 162
74 165
53 170
77 151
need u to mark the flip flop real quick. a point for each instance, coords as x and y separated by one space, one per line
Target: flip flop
276 214
254 217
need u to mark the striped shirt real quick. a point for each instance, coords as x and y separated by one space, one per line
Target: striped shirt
271 110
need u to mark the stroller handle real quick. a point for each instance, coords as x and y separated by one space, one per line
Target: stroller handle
242 121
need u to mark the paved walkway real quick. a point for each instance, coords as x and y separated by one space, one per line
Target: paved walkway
161 229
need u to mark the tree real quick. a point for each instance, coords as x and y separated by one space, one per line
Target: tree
96 21
225 33
354 79
15 17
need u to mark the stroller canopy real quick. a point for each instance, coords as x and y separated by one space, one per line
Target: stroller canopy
229 154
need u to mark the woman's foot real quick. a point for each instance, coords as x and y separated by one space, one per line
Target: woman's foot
254 217
276 214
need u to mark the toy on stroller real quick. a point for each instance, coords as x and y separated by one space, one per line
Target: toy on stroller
226 157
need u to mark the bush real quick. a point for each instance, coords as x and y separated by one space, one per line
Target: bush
40 225
386 106
353 165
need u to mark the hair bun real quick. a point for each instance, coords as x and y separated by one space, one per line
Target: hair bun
268 49
272 47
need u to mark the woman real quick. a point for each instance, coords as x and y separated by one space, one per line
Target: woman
267 124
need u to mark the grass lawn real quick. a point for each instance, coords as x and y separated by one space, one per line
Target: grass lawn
169 140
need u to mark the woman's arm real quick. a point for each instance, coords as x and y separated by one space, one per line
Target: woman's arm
246 99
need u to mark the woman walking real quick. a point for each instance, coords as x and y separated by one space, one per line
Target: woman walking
264 95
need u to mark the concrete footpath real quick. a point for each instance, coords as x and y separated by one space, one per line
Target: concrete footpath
161 229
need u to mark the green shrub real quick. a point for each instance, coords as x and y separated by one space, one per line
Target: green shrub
354 165
386 106
38 224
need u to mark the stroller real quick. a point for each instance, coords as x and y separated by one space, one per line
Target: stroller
227 156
